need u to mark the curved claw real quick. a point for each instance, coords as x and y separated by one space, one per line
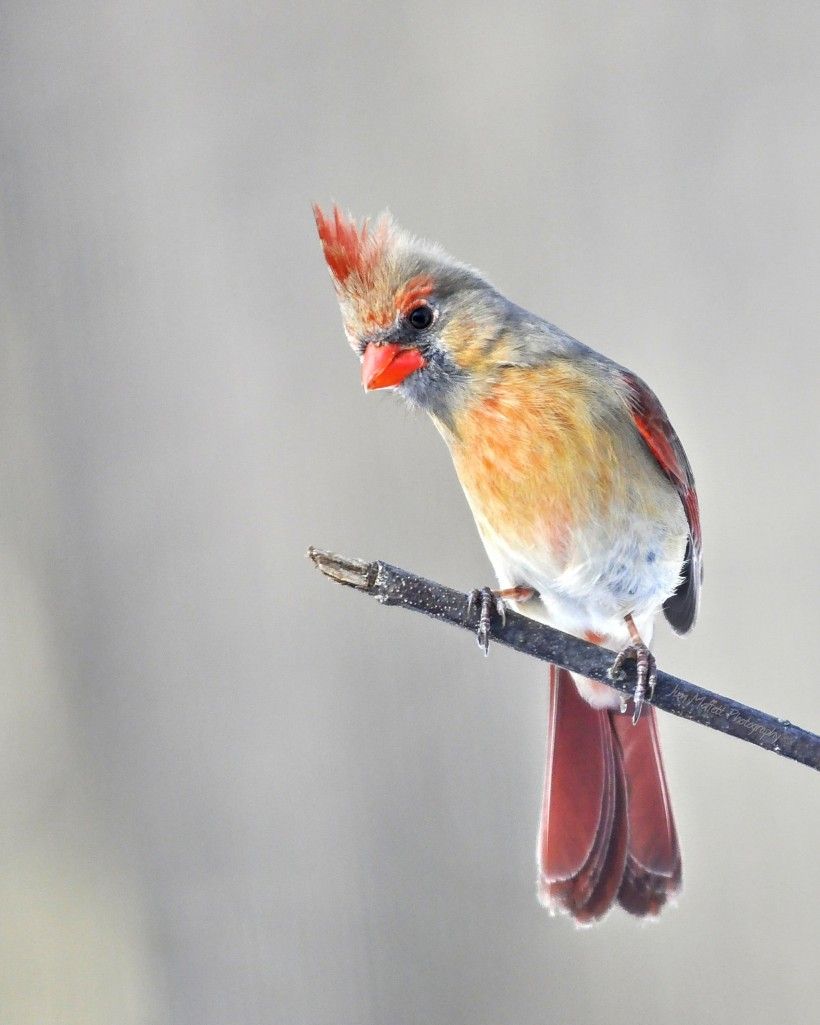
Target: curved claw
646 673
641 668
487 602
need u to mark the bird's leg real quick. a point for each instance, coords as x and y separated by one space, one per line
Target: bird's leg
644 665
488 602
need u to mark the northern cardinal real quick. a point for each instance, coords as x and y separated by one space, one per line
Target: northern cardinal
585 502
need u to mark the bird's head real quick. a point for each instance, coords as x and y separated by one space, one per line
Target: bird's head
420 322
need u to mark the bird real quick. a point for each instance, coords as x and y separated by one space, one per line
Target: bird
586 505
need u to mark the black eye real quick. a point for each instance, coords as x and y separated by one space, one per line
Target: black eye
421 317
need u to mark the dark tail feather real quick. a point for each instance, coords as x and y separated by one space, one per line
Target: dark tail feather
653 862
607 830
583 836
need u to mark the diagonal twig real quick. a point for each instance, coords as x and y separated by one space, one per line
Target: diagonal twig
393 586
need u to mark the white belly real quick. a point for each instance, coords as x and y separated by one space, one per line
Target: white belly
605 578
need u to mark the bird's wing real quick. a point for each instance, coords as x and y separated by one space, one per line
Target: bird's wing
660 438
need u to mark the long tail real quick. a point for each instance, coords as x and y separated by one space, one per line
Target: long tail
607 831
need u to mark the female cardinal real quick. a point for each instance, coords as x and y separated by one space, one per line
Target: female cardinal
586 505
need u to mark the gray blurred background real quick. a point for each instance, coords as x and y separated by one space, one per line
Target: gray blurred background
232 793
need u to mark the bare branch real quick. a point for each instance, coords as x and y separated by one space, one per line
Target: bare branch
393 586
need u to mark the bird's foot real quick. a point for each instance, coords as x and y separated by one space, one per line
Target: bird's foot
646 670
489 603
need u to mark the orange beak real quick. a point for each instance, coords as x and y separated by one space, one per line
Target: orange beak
386 365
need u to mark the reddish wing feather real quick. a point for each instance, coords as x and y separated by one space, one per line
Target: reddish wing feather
660 438
654 427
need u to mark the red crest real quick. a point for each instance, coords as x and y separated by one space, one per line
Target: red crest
350 250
